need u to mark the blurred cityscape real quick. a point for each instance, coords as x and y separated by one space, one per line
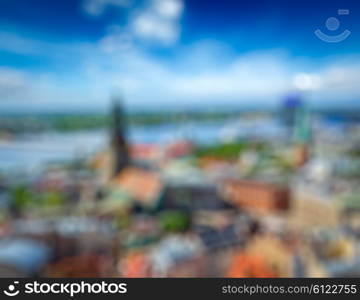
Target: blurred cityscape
267 195
221 189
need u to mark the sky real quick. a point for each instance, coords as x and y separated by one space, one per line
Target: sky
74 54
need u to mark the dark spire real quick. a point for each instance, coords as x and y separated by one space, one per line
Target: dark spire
119 145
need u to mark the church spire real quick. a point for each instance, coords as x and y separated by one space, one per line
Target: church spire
119 145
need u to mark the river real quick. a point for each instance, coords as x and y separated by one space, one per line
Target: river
29 151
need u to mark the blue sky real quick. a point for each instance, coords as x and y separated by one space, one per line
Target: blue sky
72 54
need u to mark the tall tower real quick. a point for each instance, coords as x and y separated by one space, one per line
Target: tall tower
119 146
296 117
302 135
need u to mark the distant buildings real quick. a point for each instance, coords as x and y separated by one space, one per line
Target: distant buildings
311 211
256 196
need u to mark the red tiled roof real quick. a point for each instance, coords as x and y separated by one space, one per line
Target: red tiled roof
143 185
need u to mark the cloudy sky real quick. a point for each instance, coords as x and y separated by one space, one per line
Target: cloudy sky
72 55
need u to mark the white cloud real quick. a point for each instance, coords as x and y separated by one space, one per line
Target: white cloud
158 22
307 82
155 21
11 82
96 8
116 40
25 87
151 28
262 77
171 9
247 77
339 82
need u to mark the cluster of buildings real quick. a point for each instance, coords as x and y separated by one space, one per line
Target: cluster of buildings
290 208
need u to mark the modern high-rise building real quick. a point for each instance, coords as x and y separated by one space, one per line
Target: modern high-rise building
296 118
290 107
